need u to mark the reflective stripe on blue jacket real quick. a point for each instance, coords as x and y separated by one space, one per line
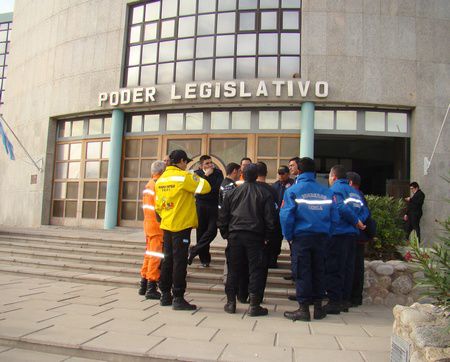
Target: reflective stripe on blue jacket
350 206
308 208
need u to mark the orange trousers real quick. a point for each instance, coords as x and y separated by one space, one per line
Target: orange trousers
151 266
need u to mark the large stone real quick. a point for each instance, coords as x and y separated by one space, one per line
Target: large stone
402 285
437 354
385 269
417 356
378 300
431 336
384 281
412 316
394 262
394 299
418 275
378 291
401 267
398 309
374 264
370 279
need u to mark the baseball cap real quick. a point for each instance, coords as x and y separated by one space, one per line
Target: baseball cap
178 155
282 170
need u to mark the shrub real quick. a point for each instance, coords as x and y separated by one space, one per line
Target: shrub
387 213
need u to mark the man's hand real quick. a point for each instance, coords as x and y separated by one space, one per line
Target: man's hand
360 225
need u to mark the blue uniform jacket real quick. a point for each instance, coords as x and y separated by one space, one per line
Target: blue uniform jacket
350 206
308 208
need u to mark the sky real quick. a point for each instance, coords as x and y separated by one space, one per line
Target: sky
6 6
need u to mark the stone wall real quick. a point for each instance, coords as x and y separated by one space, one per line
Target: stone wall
390 283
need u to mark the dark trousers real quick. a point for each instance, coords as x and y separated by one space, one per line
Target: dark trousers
340 267
174 263
206 231
242 249
274 249
413 223
358 277
308 267
242 292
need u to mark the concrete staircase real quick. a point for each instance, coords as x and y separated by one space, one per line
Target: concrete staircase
111 261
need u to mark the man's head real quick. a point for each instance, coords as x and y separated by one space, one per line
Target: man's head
233 171
337 172
354 179
293 166
179 158
261 169
166 160
157 168
251 173
414 187
245 162
283 173
306 164
206 162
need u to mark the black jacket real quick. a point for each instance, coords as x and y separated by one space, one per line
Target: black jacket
281 189
415 204
211 198
226 186
249 209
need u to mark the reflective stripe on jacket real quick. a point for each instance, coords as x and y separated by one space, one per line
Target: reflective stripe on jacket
151 225
175 201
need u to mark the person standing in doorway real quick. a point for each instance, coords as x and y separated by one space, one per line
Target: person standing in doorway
414 209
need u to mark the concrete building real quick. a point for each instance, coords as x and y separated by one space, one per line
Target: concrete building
98 90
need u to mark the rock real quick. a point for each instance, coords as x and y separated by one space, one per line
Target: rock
431 336
384 281
401 267
373 264
411 316
394 299
367 300
378 300
398 309
385 269
437 354
394 262
409 301
378 291
370 279
418 275
416 356
402 285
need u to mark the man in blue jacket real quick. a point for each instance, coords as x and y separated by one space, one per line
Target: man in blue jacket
340 258
306 216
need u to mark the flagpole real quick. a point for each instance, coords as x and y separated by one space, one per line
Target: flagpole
21 145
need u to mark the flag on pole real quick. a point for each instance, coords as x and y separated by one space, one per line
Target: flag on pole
6 142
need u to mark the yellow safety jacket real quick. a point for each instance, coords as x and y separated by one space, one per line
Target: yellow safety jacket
175 201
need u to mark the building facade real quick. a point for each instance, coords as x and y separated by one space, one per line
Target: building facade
98 90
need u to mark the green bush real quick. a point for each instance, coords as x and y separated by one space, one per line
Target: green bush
388 214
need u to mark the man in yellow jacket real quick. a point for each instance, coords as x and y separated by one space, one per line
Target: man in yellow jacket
175 204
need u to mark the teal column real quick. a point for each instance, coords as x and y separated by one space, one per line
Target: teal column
115 155
307 130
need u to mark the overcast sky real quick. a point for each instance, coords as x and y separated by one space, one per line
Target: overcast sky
6 6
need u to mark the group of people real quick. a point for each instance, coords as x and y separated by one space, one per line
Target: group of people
325 229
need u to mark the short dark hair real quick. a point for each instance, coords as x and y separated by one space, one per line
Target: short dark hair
204 158
231 167
245 159
306 164
261 168
283 169
354 178
251 173
338 171
296 159
414 184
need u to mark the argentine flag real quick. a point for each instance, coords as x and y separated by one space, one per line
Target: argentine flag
8 145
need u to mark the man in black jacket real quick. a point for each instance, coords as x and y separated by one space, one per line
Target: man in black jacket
414 209
206 211
247 220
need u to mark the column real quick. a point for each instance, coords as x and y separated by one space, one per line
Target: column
307 130
115 155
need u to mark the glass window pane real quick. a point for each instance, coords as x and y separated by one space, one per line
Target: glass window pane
268 120
136 123
246 44
101 210
92 169
323 119
149 53
289 146
290 119
203 69
132 148
90 190
184 71
267 67
272 167
135 34
77 128
151 122
187 7
131 168
107 125
167 51
375 121
71 209
245 68
130 190
346 120
185 49
62 152
148 74
206 6
240 120
58 208
75 151
102 190
397 122
205 24
225 45
128 210
150 31
290 44
104 169
268 44
186 26
61 170
93 150
88 210
248 4
227 5
168 29
224 69
150 147
205 47
138 14
192 146
152 11
134 56
95 126
132 76
169 8
174 121
269 20
289 66
291 20
72 190
105 149
226 23
228 150
165 73
268 146
194 121
64 128
220 120
290 3
247 21
59 190
145 169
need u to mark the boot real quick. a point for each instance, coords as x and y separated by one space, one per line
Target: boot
301 314
243 299
255 309
333 308
166 299
179 303
142 286
152 291
319 311
345 305
230 307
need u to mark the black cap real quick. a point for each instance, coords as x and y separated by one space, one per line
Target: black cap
282 170
177 155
